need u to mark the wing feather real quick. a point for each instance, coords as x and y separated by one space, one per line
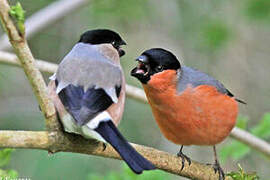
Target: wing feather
196 78
87 82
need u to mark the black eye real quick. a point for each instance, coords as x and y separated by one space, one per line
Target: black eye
159 68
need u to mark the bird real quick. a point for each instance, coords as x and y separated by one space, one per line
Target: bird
88 91
189 106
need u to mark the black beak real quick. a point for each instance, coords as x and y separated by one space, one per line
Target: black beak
143 59
121 52
123 42
142 71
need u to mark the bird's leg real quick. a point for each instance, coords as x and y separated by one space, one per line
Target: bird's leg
183 157
217 167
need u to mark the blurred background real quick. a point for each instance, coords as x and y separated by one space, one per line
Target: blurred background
228 39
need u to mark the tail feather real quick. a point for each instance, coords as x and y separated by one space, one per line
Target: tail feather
134 160
239 100
231 95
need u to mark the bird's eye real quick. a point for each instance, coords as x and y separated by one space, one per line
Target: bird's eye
159 68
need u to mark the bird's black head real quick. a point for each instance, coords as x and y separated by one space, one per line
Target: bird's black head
101 36
153 61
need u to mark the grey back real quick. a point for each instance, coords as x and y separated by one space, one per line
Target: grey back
194 77
85 66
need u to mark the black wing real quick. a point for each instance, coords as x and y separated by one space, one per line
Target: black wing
84 106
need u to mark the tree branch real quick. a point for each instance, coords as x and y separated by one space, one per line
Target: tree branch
27 60
138 94
73 143
251 140
46 17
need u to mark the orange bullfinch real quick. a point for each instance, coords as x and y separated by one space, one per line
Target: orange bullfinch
88 91
189 106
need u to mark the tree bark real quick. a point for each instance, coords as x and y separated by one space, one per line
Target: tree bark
56 141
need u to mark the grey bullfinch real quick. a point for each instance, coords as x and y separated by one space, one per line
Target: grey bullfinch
88 91
189 106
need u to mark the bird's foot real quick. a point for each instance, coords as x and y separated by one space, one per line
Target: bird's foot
184 158
104 146
218 169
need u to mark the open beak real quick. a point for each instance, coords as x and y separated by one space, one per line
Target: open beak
143 67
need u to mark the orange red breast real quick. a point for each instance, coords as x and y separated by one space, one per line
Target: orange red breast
196 116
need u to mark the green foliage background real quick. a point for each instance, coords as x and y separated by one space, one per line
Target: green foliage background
4 160
126 173
227 39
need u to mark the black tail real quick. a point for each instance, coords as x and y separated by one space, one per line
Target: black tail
239 100
134 160
231 95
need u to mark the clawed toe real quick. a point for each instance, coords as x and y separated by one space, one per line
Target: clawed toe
219 170
184 158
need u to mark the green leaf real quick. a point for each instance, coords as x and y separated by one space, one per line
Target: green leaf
17 12
241 175
5 156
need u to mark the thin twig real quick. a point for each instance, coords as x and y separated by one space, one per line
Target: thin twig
138 94
257 143
46 17
27 60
